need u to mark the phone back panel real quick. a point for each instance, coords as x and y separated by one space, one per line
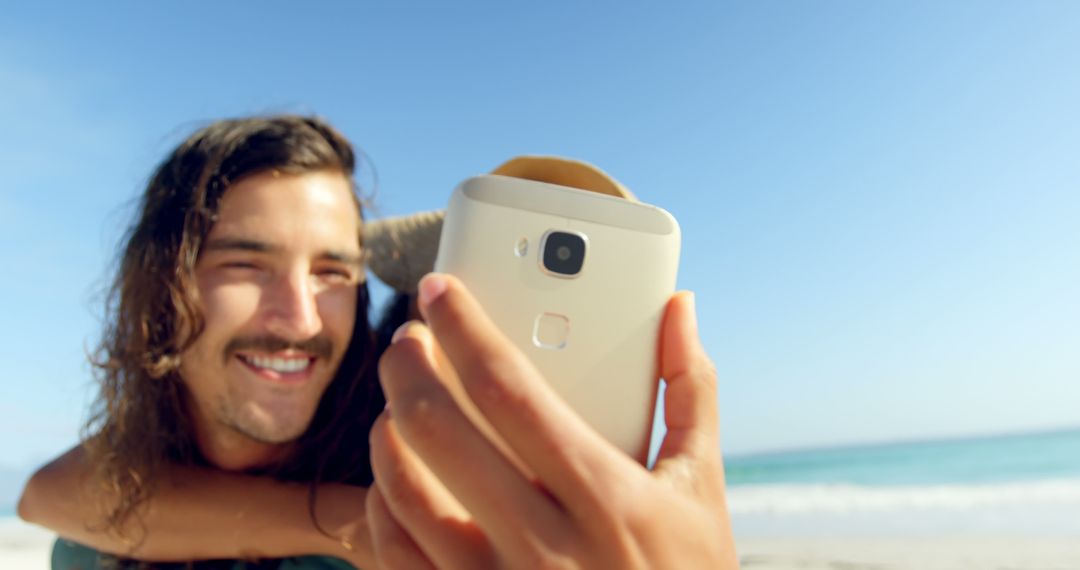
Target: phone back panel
595 336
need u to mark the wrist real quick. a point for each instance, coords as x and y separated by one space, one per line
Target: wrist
340 526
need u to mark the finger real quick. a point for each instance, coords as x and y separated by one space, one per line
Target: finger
690 404
570 459
393 546
421 505
486 483
450 379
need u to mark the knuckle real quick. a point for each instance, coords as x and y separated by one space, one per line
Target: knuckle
396 487
373 504
703 370
489 382
423 416
493 376
422 406
395 360
377 438
443 312
616 497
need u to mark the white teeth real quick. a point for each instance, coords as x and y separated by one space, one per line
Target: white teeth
282 365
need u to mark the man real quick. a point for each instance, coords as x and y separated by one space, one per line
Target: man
238 339
239 342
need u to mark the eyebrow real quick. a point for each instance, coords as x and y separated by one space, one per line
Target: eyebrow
256 246
229 244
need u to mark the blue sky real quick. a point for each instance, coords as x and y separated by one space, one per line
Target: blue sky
879 200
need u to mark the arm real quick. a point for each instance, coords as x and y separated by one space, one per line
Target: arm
557 494
202 514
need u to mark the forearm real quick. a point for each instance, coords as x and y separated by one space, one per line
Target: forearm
201 513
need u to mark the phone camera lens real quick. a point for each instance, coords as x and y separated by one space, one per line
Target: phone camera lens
564 253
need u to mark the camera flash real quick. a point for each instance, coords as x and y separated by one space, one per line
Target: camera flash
522 247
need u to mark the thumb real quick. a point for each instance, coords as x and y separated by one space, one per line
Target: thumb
690 406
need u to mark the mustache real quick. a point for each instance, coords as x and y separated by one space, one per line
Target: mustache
318 346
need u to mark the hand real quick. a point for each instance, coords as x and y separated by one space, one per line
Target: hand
552 492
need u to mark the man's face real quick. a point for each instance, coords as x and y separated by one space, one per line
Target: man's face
277 279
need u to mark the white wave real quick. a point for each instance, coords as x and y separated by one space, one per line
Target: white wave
794 499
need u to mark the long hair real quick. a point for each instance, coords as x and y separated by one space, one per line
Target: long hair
139 422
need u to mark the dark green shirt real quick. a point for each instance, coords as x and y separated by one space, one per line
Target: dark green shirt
67 555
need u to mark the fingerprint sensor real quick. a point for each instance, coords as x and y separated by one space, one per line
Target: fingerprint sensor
551 331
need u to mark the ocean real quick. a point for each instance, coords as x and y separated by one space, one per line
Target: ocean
1025 484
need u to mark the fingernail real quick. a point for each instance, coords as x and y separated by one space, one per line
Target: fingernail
401 331
691 300
431 287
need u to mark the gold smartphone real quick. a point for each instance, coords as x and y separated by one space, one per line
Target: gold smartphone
579 282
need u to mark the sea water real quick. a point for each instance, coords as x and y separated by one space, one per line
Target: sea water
1027 484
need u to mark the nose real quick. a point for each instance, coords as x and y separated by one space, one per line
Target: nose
293 312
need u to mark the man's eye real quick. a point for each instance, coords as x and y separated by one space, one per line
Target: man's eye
335 274
239 265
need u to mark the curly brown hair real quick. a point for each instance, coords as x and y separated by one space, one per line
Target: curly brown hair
139 422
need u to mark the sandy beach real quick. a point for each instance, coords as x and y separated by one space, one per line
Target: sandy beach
24 546
945 553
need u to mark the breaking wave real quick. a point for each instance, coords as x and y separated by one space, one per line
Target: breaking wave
842 498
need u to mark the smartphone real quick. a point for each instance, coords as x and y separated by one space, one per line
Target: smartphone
579 281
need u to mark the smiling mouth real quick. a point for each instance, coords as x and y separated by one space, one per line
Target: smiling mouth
278 367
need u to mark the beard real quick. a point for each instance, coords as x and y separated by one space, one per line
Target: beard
263 425
260 415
